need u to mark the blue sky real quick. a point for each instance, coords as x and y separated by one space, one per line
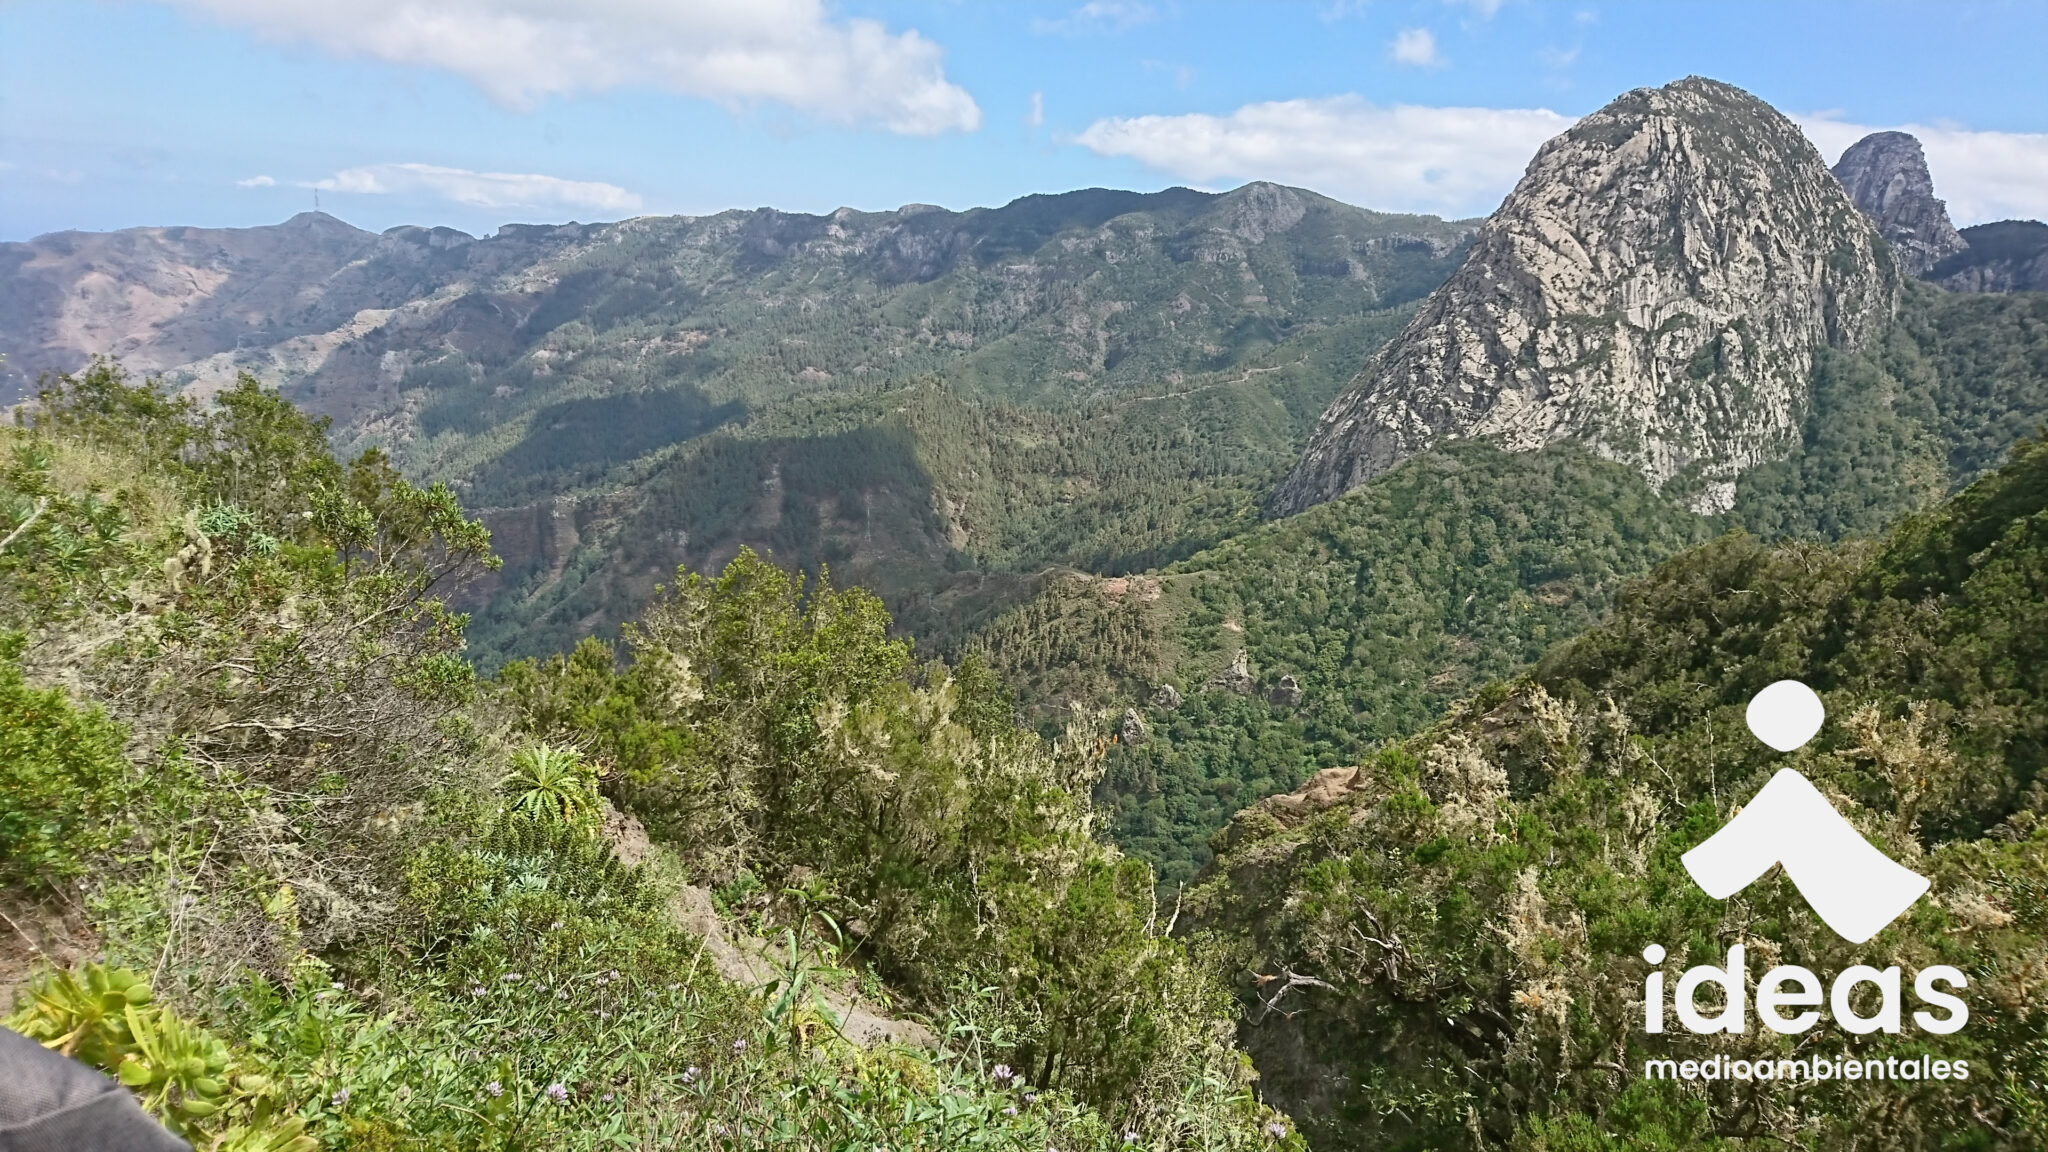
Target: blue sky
474 113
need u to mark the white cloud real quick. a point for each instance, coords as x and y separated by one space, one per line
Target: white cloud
1417 47
790 52
256 182
1037 116
1451 161
1097 16
1984 176
482 189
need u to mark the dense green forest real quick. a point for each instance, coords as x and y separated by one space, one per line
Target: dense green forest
1475 901
1464 564
1459 567
285 865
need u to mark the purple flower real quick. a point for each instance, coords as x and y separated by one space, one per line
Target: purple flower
558 1093
739 1045
339 1099
1276 1129
1002 1072
690 1074
1010 1111
1031 1097
494 1089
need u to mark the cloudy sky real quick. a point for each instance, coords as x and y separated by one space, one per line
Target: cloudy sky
475 113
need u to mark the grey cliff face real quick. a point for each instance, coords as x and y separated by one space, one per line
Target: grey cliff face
1655 288
2006 256
1886 176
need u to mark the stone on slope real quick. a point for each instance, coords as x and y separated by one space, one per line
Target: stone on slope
1656 287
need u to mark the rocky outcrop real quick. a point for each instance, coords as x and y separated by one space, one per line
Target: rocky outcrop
1656 288
1286 694
1236 679
2008 256
1132 730
1886 176
1167 698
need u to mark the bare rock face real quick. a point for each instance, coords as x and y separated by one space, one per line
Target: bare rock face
1132 730
1167 698
1655 288
2006 256
1286 694
1886 176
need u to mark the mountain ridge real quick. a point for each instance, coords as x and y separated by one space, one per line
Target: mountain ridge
1671 326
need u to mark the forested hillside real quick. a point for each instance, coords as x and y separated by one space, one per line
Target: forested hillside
1459 568
273 854
1476 900
617 399
1375 612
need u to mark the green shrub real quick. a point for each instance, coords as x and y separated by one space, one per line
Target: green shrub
62 778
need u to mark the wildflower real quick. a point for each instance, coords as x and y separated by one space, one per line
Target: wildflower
1010 1111
1031 1097
739 1045
1131 1137
562 995
690 1074
1002 1072
605 1099
476 989
494 1089
339 1099
512 977
1275 1129
558 1093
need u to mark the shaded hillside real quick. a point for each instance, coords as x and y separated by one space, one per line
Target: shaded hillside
2006 256
949 507
1477 900
622 397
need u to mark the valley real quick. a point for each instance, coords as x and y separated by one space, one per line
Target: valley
1100 607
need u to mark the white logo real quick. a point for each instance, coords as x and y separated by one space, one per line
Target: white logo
1854 888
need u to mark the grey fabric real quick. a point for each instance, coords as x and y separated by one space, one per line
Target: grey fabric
52 1103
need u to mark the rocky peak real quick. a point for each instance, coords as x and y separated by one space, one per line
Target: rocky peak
1655 288
1886 176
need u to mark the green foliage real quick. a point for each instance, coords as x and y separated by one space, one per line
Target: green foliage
370 890
1456 568
780 732
63 780
1954 384
1479 898
550 783
106 1017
